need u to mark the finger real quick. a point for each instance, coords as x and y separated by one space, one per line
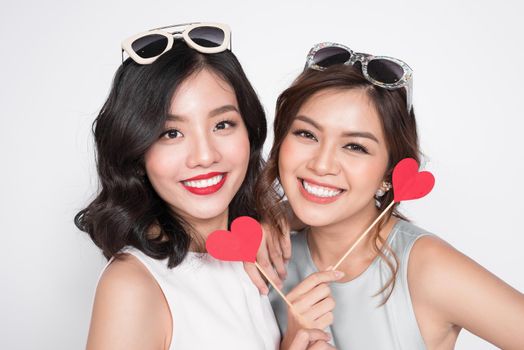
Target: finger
321 345
324 321
275 253
263 256
313 314
312 281
306 336
263 246
306 301
256 278
285 240
265 264
285 245
301 340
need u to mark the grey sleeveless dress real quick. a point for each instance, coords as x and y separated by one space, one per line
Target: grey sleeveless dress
359 321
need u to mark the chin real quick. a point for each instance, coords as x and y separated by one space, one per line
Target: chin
201 208
314 217
204 212
208 215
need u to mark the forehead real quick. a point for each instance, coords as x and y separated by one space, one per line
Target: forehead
343 110
202 91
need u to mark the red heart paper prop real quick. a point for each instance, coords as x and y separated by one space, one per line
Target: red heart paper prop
241 244
409 183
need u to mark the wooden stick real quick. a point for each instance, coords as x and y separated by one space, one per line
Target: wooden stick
293 310
363 235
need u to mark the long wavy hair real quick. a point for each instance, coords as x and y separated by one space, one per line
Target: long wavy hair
399 128
127 209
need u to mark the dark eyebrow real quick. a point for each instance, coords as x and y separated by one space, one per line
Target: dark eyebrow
364 134
213 113
309 121
223 109
175 118
367 135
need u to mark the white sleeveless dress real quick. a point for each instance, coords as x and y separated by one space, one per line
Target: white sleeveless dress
213 303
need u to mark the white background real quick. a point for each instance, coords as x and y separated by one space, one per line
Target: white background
57 62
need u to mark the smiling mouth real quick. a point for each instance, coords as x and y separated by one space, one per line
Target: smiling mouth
205 184
318 193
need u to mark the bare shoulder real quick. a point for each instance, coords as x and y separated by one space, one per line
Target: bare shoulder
127 280
429 253
436 267
458 292
127 272
130 310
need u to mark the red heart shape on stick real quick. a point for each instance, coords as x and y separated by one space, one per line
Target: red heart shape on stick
241 244
409 183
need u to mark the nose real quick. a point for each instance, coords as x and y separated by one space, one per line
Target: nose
203 152
324 161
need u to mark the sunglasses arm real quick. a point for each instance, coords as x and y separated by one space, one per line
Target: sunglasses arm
409 94
175 26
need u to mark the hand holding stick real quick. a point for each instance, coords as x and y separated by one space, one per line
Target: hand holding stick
241 244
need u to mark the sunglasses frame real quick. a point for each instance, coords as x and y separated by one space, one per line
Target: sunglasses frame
182 33
406 81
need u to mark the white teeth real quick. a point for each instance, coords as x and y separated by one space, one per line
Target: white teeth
204 183
320 191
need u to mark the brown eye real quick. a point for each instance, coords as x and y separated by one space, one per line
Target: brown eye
226 124
305 134
171 134
356 147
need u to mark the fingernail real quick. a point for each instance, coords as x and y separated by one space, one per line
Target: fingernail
328 336
265 291
339 274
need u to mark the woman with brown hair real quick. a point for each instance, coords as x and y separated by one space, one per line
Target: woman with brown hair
340 128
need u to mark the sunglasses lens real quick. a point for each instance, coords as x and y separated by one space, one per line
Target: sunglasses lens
150 45
329 56
385 71
207 36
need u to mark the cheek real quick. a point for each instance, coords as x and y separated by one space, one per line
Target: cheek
285 158
294 152
365 174
162 161
290 158
236 149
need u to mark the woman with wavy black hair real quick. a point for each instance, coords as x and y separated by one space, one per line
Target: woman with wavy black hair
178 146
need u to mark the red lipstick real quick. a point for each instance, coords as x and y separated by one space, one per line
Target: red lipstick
205 190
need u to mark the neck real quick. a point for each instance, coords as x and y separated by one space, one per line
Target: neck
201 228
329 243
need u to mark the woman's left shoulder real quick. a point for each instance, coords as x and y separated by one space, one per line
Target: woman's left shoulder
431 257
421 245
439 273
457 291
435 266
